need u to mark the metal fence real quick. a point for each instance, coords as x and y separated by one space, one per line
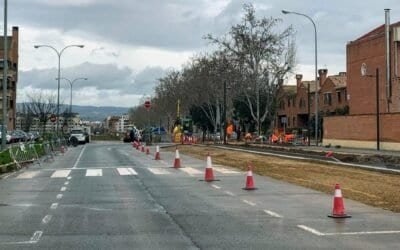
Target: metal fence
24 153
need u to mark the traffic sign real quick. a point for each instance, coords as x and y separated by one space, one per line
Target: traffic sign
147 104
53 118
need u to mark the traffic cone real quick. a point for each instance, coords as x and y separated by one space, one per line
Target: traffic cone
338 205
142 149
147 151
133 144
209 174
157 156
329 154
177 161
249 179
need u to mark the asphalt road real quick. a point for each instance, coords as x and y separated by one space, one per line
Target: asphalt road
111 196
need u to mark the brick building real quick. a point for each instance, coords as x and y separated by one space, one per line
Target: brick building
359 128
12 76
293 111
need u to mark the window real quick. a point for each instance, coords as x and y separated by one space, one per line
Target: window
339 97
328 98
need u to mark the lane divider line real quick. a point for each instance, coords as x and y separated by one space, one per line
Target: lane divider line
66 183
229 193
215 186
311 230
36 237
249 203
63 189
273 214
54 206
69 178
59 196
46 219
79 157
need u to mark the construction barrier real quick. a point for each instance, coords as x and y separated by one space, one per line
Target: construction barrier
24 153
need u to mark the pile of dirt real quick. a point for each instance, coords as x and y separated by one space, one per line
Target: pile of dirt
369 187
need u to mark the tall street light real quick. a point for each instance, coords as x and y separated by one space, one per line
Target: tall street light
316 69
5 69
59 54
71 83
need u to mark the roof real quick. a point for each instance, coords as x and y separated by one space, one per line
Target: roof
339 81
289 89
375 32
312 85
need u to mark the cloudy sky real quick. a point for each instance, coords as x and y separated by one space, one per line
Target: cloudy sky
131 43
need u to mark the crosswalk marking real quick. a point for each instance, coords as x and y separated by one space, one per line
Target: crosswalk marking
60 174
27 175
94 172
191 171
126 171
158 171
225 170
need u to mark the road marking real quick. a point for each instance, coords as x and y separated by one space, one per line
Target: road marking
66 183
273 214
60 174
69 178
229 193
94 172
79 157
126 171
46 219
36 236
191 171
318 233
215 186
225 170
158 171
63 189
54 206
59 196
249 203
311 230
27 175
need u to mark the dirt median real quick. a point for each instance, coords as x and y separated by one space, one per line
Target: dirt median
372 188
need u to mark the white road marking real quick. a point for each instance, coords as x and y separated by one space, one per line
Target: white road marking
249 203
66 183
59 196
158 171
60 174
318 233
27 175
229 193
126 171
63 189
69 178
36 236
225 170
311 230
54 206
273 214
94 172
47 219
191 171
79 157
215 186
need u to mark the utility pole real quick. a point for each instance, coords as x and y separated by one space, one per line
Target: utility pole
5 78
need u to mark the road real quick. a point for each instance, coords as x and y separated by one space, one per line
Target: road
111 196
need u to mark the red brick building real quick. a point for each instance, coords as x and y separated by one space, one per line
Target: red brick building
359 128
293 111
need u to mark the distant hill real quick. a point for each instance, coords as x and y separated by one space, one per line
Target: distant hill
92 113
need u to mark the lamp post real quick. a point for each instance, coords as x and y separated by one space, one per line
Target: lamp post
316 69
59 54
4 89
71 83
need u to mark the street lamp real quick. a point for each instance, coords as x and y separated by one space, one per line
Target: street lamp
316 69
59 53
71 83
4 89
365 74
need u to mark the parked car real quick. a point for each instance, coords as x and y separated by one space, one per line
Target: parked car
8 137
20 135
79 135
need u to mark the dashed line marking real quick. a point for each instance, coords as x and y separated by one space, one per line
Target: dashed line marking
215 186
69 178
46 219
229 193
36 237
59 196
94 172
158 171
273 214
126 171
54 206
79 157
63 189
249 203
60 174
66 183
191 171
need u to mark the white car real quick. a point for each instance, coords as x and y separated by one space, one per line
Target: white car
78 134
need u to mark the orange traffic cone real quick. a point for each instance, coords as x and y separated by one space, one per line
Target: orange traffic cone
177 162
142 149
249 179
147 151
157 156
209 174
338 205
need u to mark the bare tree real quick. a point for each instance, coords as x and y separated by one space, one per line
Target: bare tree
263 57
41 105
